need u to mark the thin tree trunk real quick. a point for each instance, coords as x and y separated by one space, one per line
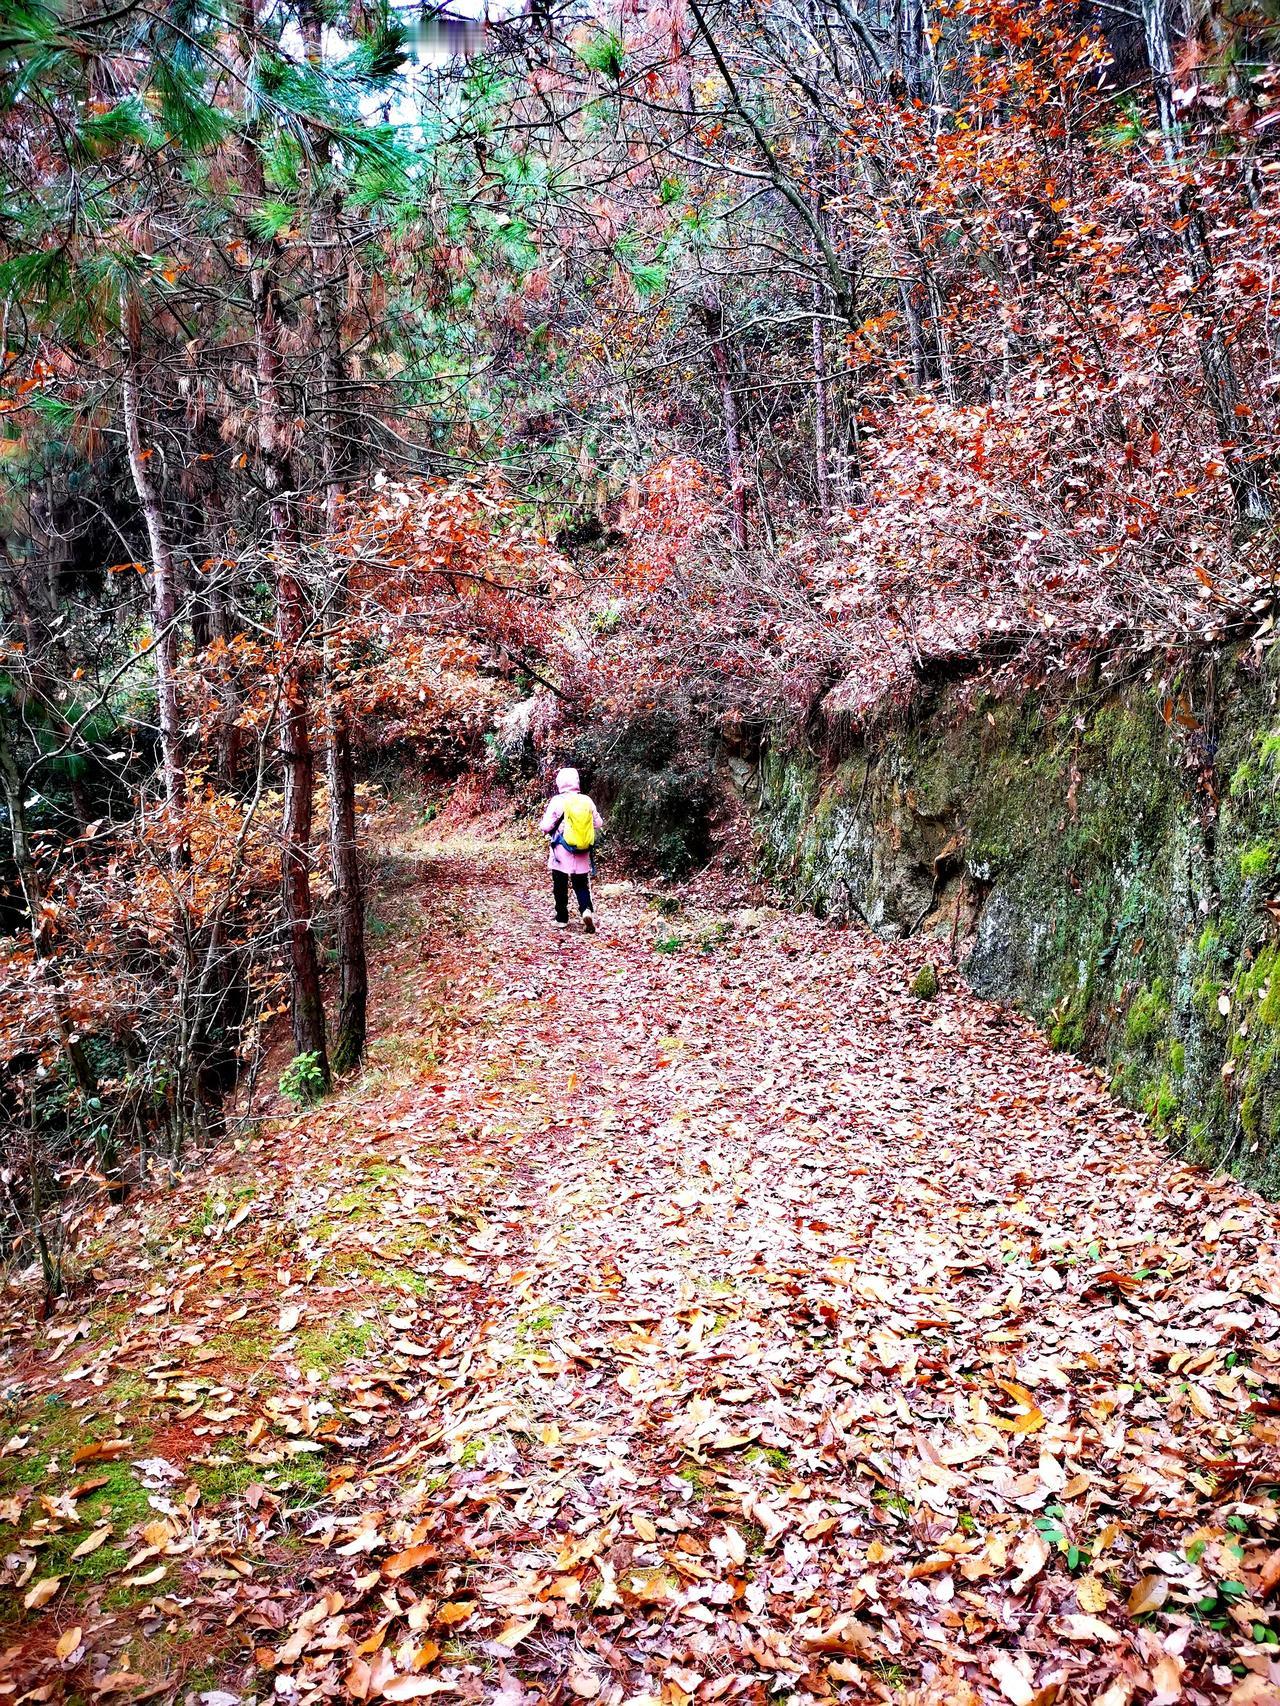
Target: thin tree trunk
353 997
353 971
820 458
713 318
821 461
164 602
1222 385
227 743
297 760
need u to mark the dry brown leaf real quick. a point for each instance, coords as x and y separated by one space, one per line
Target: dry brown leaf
1166 1678
100 1451
1030 1556
42 1592
412 1558
845 1635
1148 1593
518 1629
92 1542
1118 1692
1091 1594
1014 1677
68 1641
1078 1626
415 1687
1255 1691
455 1611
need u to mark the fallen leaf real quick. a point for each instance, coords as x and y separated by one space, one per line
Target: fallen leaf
100 1451
92 1543
1091 1594
415 1687
455 1611
1148 1594
1079 1627
412 1558
1014 1678
518 1629
1030 1556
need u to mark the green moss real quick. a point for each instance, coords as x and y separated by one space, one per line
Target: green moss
383 1275
1148 1016
1066 1021
701 1479
924 985
775 1456
1256 859
123 1499
300 1479
242 1350
534 1328
56 1560
328 1348
225 1475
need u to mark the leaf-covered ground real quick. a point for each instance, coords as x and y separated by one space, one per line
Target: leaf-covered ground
683 1314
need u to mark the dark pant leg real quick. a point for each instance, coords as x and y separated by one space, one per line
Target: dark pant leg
582 888
560 889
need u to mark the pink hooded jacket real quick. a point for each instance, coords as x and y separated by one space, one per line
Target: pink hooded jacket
561 859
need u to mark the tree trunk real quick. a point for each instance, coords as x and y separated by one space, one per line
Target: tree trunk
164 601
294 738
713 319
306 1000
353 998
1222 385
353 971
820 458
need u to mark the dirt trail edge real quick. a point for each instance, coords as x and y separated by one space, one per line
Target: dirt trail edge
680 1315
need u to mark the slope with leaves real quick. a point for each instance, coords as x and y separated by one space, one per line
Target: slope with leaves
683 1314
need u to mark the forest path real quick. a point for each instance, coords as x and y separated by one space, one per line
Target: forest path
679 1314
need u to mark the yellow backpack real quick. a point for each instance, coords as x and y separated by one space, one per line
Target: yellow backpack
578 825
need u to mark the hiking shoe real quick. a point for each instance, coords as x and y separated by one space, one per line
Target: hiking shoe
589 923
562 923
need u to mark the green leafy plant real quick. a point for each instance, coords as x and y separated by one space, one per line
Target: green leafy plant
302 1081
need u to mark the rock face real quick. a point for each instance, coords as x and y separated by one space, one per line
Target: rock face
1109 861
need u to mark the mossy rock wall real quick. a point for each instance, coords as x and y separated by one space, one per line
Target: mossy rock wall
1102 860
654 779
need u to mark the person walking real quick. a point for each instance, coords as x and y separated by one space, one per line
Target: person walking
572 823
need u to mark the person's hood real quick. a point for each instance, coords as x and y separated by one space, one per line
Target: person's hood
567 782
